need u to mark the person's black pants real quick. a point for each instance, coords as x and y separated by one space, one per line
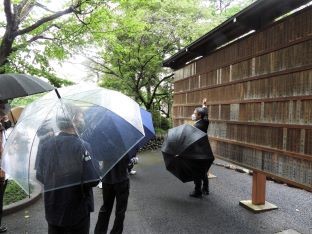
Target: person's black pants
81 228
120 191
203 182
3 185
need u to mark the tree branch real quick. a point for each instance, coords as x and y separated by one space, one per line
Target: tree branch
80 20
44 20
19 8
141 98
8 12
39 37
109 71
23 10
119 69
160 94
139 48
38 4
157 85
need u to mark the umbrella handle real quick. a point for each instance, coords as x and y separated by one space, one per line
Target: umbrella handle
57 93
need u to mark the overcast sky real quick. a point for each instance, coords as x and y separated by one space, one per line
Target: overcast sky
72 69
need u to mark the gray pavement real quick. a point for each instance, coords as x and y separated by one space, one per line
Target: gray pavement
159 203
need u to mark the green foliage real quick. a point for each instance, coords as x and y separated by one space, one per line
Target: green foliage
141 34
40 68
160 121
57 39
160 132
13 193
165 123
24 101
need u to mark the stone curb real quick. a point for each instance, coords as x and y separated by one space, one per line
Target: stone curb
233 167
250 172
16 206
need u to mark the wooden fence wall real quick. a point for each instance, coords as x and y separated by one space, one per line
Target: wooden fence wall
259 93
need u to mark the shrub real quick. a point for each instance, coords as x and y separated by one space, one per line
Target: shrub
13 193
165 123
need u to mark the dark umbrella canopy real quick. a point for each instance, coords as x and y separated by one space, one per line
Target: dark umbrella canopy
187 152
21 85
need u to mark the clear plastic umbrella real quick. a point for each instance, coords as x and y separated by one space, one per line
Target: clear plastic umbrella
71 138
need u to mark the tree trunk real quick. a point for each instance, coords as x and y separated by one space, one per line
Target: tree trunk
5 50
9 35
12 27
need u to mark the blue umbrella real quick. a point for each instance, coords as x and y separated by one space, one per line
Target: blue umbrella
110 136
149 132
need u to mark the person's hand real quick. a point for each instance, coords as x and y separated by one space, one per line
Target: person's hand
5 122
204 102
5 118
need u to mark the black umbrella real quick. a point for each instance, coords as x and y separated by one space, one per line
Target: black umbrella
187 152
21 85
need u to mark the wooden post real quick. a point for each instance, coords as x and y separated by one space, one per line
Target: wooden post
258 188
258 203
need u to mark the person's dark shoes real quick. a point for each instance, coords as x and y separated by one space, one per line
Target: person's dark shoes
196 195
205 192
3 229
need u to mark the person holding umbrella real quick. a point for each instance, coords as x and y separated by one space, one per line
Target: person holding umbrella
5 123
104 124
115 185
64 160
202 123
116 182
13 86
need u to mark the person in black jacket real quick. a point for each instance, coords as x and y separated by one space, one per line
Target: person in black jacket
115 185
68 174
202 123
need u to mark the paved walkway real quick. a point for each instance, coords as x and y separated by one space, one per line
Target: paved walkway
159 203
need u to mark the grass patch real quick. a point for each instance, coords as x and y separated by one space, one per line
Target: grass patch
13 193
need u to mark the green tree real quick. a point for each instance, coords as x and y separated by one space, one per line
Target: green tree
33 34
141 35
223 9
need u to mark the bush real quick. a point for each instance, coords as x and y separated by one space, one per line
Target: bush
165 123
160 132
161 121
154 144
13 193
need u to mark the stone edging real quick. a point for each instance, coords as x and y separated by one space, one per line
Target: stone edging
16 206
250 172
